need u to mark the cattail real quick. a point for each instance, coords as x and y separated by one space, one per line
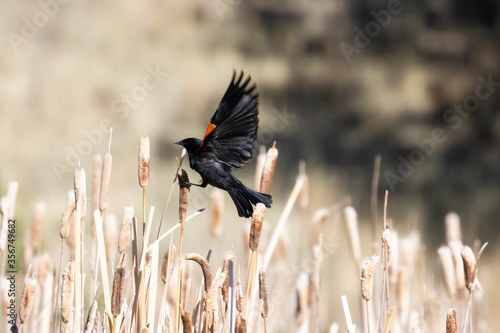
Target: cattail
27 299
225 285
256 226
12 188
89 323
212 300
217 209
207 275
167 324
351 221
452 227
241 324
470 268
183 194
367 271
268 170
67 292
187 322
96 182
303 199
144 158
263 293
448 269
126 228
458 263
451 321
119 282
259 166
105 180
239 296
386 241
81 189
66 215
318 219
145 329
38 219
110 230
167 267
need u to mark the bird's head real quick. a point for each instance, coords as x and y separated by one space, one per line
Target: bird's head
191 144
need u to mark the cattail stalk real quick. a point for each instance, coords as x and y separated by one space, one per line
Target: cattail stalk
105 182
268 171
80 200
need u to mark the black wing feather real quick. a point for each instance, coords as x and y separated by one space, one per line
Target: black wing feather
236 122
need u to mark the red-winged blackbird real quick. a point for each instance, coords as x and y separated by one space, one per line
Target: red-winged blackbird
229 142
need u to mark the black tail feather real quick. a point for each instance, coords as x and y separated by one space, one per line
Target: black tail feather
244 198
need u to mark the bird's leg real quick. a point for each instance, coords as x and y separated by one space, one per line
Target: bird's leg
203 183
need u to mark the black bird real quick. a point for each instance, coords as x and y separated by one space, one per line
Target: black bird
229 142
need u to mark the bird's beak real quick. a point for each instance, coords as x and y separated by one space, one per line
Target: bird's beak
179 143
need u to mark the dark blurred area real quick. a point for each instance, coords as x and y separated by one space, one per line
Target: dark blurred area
340 82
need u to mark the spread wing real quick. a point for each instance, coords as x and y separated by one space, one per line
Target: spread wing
232 130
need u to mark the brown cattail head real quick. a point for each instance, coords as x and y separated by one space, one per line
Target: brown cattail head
259 166
168 264
451 321
239 296
268 171
144 158
66 215
183 194
469 259
225 287
89 322
96 185
217 210
27 299
241 324
263 293
452 226
448 270
118 296
256 226
67 292
105 180
126 228
38 219
187 322
367 271
351 221
81 189
207 275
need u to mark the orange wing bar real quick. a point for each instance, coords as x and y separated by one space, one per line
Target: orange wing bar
210 128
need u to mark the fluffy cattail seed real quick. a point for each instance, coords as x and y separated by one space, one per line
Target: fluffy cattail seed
207 275
105 180
268 171
367 271
27 299
119 282
81 189
126 228
351 221
144 158
451 321
67 292
256 226
263 293
168 264
183 194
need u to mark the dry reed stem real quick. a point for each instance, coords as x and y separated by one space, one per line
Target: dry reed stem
268 170
259 166
207 275
373 199
187 323
126 228
452 227
105 181
447 269
351 221
118 296
101 250
144 160
96 182
217 210
263 293
27 299
451 321
78 264
241 324
390 317
256 226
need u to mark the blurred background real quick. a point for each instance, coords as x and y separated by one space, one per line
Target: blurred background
340 82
